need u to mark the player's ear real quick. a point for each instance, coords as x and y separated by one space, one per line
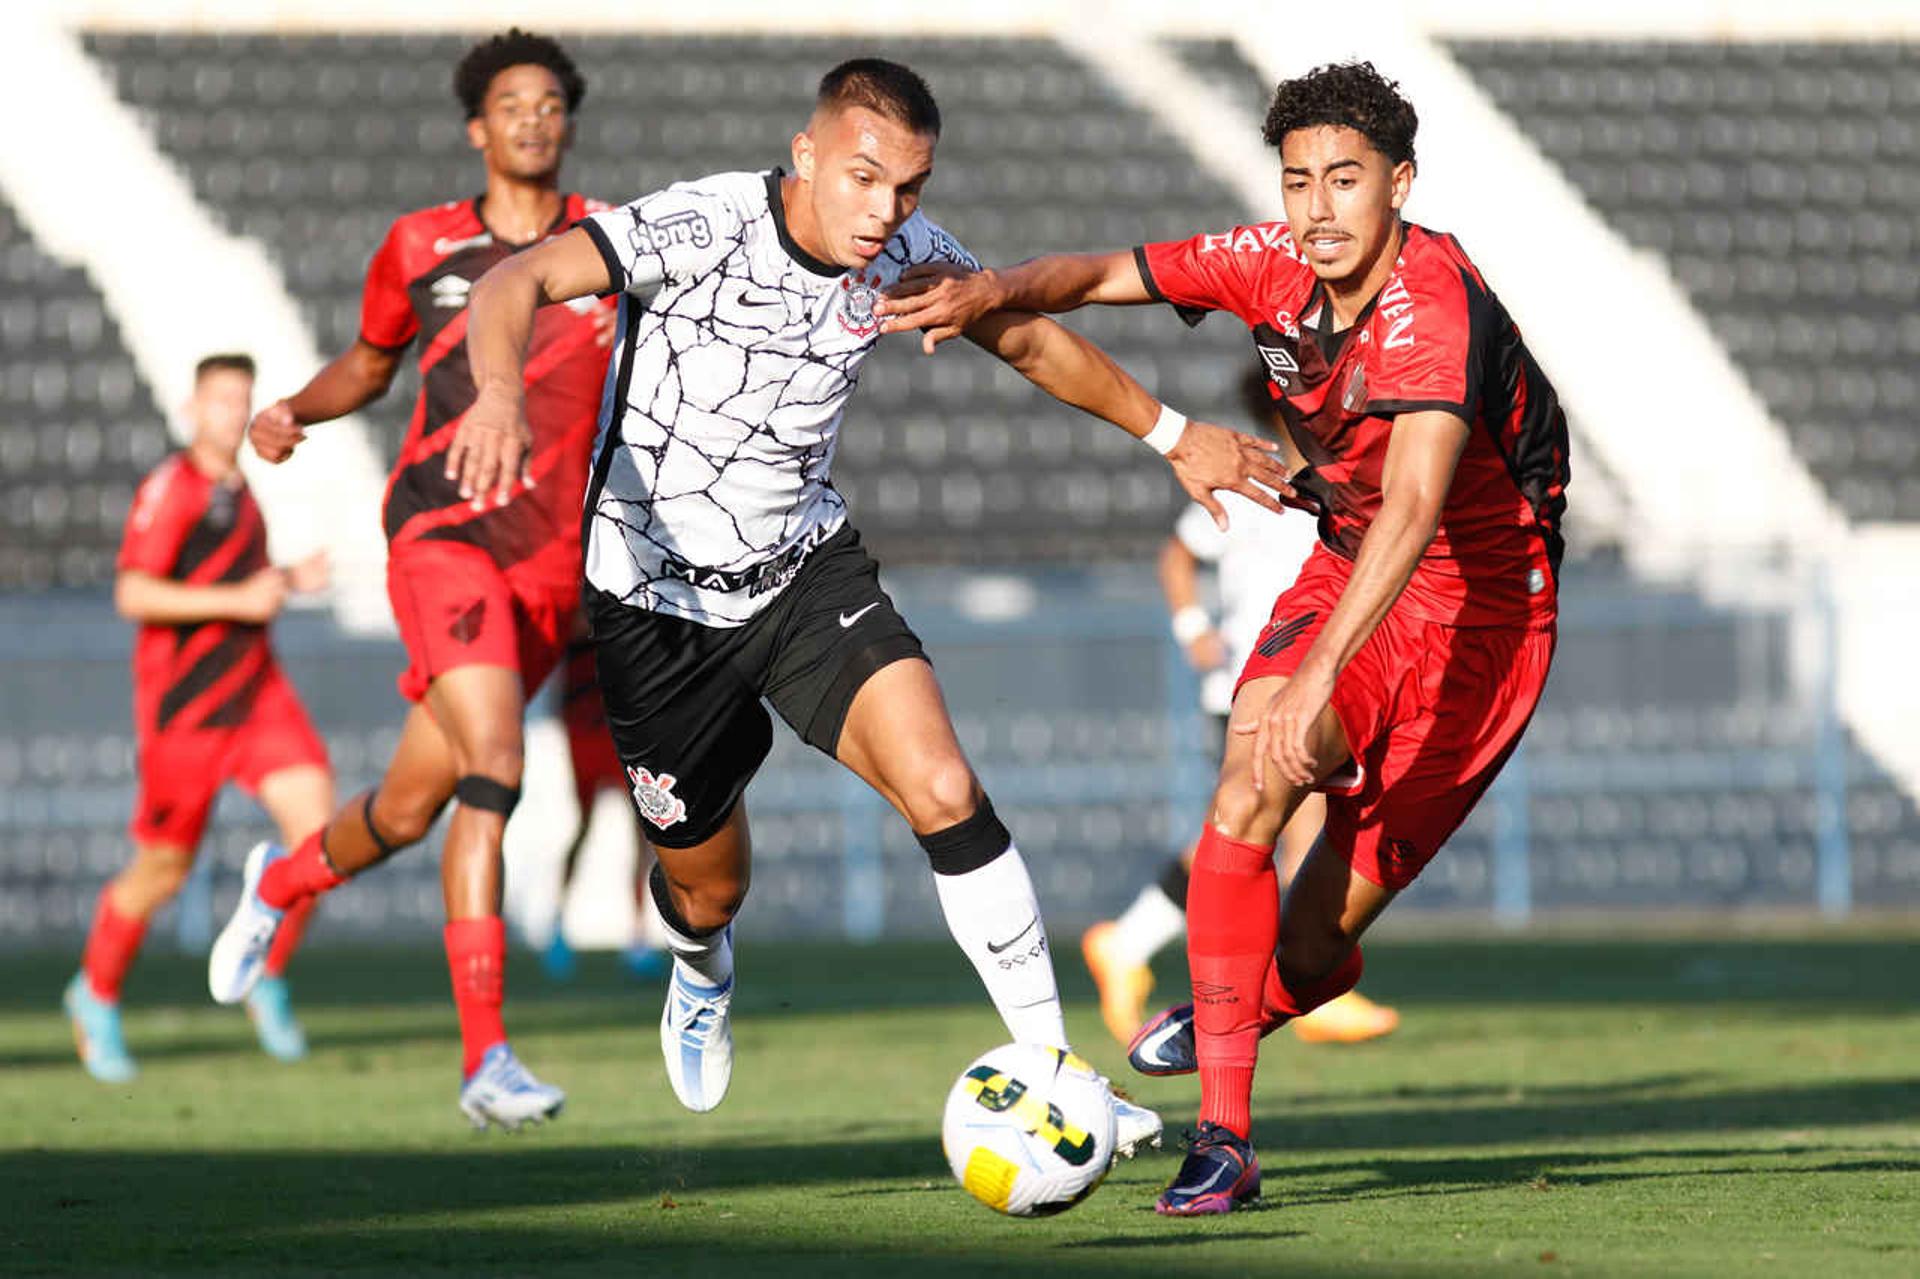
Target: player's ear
477 133
803 156
1402 182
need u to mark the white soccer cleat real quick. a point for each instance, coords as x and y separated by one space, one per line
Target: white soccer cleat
502 1091
696 1039
1133 1127
240 951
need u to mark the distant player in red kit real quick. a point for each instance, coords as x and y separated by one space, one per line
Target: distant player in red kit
596 768
1399 671
210 706
485 595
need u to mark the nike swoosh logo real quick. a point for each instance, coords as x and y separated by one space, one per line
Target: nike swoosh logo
1150 1049
848 619
1208 1184
747 298
1017 936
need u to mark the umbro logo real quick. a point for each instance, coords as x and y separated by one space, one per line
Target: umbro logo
1281 635
450 291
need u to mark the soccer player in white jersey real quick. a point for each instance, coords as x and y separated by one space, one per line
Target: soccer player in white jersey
720 565
1255 558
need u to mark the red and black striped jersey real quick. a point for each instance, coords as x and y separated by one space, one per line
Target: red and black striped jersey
1435 337
416 288
188 528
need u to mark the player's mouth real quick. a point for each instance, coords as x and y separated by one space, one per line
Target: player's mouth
868 246
1325 245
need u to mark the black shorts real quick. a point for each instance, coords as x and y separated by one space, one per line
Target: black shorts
683 700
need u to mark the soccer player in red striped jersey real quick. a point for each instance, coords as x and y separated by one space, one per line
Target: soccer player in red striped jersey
1399 671
210 705
485 600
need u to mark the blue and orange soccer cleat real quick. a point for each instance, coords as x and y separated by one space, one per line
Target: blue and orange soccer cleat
96 1033
1165 1045
1218 1175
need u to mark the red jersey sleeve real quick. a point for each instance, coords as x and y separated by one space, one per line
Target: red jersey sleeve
387 319
1426 343
1232 270
162 515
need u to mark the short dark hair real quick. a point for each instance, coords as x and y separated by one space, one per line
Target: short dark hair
224 362
895 91
1258 401
1352 94
516 48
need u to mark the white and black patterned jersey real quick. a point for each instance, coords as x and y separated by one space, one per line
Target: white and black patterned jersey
725 394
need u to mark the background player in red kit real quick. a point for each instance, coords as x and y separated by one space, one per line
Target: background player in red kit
596 767
485 599
1401 668
210 705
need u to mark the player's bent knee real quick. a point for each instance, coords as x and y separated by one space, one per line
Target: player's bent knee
487 794
398 822
1241 812
944 796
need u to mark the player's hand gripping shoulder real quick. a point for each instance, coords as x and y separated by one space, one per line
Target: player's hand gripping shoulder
274 432
943 299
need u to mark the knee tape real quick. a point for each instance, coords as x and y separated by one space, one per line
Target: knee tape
968 845
487 795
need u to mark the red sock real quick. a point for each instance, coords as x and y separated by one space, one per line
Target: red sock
477 958
1282 1000
302 873
112 943
286 939
1233 924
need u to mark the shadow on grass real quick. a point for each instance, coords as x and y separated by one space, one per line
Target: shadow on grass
294 1211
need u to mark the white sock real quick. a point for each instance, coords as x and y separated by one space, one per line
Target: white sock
1145 927
710 956
994 915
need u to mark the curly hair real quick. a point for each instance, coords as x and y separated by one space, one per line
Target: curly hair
516 48
1352 94
894 91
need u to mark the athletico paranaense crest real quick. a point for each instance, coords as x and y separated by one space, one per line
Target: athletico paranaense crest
655 798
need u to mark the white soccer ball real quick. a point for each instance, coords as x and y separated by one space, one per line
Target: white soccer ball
1029 1130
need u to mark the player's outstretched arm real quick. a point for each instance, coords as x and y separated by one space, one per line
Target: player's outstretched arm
943 300
160 601
348 383
1421 456
1205 458
489 448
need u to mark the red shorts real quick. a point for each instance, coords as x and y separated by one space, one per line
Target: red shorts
1431 712
181 772
455 607
596 765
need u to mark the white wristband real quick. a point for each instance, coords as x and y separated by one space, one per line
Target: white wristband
1190 623
1166 431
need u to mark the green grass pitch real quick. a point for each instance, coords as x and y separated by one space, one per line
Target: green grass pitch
1639 1107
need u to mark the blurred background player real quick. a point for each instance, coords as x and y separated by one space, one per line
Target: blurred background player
210 705
596 770
485 600
1254 559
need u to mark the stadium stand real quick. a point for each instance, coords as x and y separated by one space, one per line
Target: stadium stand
313 144
77 423
1781 183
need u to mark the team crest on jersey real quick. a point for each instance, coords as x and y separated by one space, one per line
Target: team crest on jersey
655 798
1355 394
858 293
